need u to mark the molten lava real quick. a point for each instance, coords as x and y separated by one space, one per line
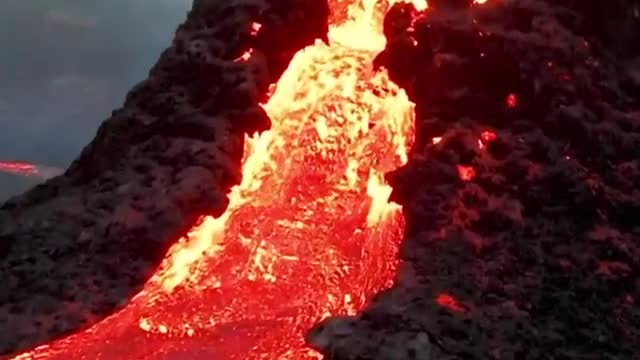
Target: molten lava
28 169
18 168
512 100
449 302
309 232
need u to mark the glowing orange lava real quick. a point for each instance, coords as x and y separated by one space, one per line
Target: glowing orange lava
466 173
18 168
449 302
28 169
512 100
309 232
488 136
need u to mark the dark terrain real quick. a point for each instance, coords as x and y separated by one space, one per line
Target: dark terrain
537 256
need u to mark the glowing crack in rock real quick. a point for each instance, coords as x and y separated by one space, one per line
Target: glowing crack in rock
309 232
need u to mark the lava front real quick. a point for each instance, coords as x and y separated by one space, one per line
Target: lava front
309 232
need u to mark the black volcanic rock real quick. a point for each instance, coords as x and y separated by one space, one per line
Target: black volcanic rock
537 256
78 247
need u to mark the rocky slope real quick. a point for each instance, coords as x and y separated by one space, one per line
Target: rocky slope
536 255
76 248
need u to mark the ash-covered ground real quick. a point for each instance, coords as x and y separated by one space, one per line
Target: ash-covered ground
80 246
537 256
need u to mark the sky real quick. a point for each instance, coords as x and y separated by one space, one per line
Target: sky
65 65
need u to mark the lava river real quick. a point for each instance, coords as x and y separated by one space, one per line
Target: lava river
309 232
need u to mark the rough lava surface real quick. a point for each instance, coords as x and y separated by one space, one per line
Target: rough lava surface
78 247
536 255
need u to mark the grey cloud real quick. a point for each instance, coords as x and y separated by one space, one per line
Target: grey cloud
65 17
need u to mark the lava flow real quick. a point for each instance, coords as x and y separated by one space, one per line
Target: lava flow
28 169
309 232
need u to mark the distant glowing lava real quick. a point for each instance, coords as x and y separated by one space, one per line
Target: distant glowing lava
29 169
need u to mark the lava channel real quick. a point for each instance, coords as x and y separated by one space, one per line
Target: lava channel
309 233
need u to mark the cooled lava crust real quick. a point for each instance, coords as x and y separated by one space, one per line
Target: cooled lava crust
78 247
537 256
